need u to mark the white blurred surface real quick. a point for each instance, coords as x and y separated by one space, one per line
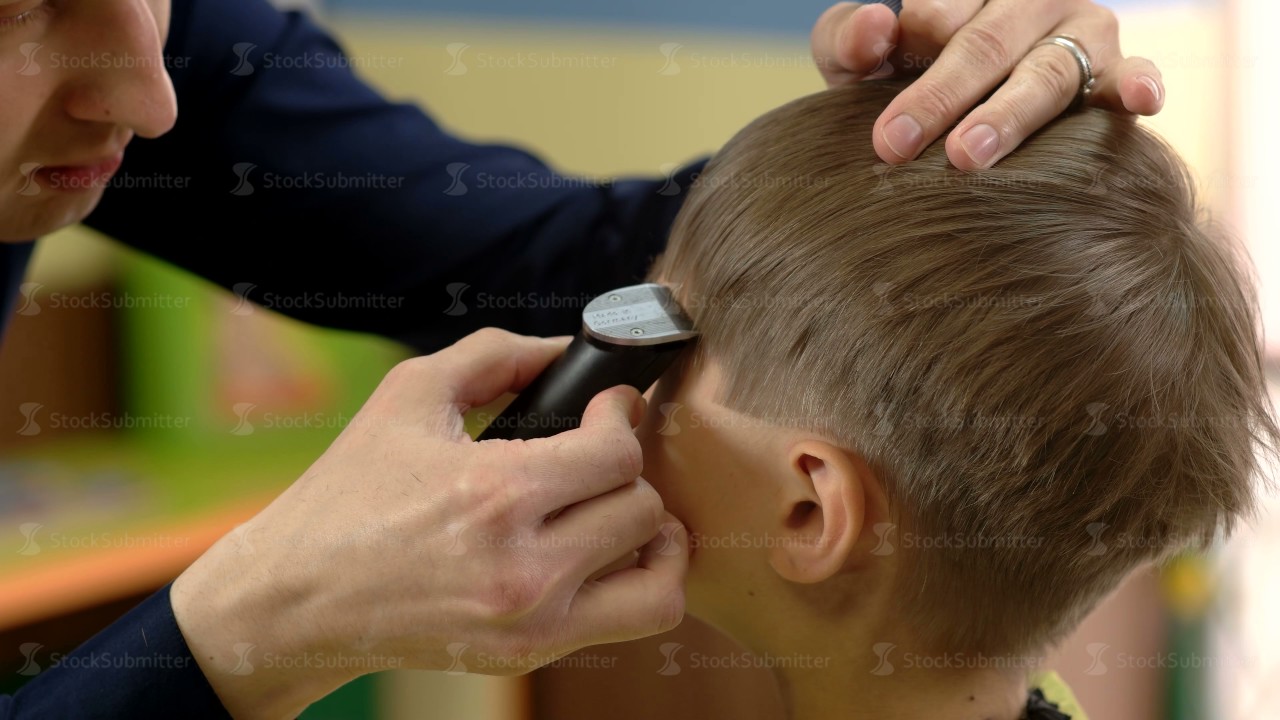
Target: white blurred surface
1245 627
1255 155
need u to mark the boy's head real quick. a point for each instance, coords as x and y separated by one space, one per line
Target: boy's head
964 405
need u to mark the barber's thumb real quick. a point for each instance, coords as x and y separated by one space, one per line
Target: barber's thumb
482 366
618 408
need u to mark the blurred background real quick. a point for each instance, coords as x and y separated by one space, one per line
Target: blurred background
144 412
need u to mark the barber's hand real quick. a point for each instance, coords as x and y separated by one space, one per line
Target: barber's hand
966 49
408 545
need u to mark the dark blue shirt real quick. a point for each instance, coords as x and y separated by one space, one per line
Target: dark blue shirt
412 222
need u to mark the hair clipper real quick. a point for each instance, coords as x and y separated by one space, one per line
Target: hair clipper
629 336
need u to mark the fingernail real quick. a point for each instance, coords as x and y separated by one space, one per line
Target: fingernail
980 142
638 410
903 135
1152 85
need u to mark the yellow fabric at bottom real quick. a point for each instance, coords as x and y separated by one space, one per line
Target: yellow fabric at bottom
1059 693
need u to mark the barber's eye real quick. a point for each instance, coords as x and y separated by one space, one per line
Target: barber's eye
17 14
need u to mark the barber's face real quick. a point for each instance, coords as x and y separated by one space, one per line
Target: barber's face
78 80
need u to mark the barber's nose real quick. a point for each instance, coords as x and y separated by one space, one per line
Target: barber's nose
121 78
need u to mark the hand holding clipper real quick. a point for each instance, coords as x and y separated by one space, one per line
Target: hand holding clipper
629 336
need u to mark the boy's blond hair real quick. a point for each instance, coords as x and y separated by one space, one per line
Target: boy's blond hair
1052 365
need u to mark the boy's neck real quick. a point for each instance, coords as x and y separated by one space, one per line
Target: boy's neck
855 695
888 682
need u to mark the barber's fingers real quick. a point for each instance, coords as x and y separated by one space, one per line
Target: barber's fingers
979 57
1044 84
853 41
640 601
927 26
430 393
1133 85
479 368
598 532
865 41
599 456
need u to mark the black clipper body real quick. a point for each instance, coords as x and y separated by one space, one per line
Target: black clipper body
629 336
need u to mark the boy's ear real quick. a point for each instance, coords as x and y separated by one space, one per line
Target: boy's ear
824 511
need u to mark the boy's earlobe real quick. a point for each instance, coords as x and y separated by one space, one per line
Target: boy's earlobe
824 512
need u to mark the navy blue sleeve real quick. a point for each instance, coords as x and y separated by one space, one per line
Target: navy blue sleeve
138 668
289 180
14 258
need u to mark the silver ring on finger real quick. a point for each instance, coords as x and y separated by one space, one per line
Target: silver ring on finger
1087 81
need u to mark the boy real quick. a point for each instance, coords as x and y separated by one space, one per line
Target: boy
942 414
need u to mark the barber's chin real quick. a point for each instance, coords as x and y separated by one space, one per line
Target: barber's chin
44 212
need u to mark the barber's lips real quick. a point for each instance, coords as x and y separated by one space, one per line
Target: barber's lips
80 178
